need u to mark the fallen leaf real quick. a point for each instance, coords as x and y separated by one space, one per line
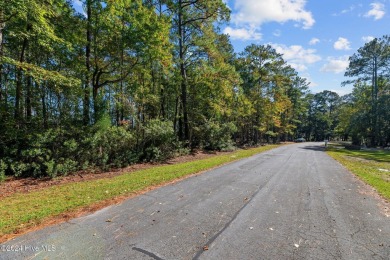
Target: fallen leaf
296 245
109 220
205 248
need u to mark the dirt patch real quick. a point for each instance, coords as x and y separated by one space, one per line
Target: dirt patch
24 185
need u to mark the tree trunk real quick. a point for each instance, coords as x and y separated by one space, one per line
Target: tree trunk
87 64
184 127
44 109
375 101
175 115
374 94
96 103
28 98
162 103
19 81
2 26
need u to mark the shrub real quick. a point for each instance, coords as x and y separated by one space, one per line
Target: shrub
158 140
114 146
213 136
3 168
49 153
180 150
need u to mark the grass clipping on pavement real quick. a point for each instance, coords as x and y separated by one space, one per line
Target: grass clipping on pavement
22 211
373 167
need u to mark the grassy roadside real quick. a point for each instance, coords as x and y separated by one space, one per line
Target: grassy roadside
23 211
373 167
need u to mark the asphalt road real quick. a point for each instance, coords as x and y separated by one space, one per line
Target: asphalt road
293 202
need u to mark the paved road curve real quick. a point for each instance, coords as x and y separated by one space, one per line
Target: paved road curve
293 202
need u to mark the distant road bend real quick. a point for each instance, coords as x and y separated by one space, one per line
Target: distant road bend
293 202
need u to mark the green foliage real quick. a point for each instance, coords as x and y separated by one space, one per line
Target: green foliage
40 75
180 150
275 93
114 146
133 81
58 152
369 119
215 136
40 154
157 132
158 141
323 116
103 124
3 168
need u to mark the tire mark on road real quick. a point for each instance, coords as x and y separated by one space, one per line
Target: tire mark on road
147 253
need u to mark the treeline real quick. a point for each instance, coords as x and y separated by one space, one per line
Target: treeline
136 80
362 116
133 80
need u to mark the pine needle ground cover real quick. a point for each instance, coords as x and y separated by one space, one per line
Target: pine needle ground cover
22 211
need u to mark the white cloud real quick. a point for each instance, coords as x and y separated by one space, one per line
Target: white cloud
277 33
297 66
297 56
342 44
348 10
367 38
78 5
336 65
377 11
314 41
309 80
341 92
242 33
257 12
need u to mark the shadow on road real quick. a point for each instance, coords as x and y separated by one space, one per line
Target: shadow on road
314 148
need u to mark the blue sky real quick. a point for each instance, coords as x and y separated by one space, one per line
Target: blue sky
315 36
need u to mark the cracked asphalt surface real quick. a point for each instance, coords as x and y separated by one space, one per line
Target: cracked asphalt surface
293 202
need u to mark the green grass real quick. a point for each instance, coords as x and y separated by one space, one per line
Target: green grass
24 210
373 167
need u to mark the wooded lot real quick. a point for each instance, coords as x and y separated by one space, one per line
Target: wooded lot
145 80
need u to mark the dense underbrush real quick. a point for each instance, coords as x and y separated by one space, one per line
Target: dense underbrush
61 150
